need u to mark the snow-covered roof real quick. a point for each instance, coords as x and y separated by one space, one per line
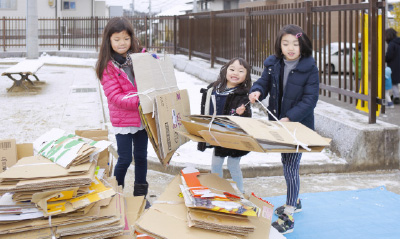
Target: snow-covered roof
177 10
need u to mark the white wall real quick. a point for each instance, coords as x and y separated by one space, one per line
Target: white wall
83 8
100 9
217 5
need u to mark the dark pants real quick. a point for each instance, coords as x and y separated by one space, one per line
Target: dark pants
291 165
125 142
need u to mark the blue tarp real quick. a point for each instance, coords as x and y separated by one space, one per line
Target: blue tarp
365 214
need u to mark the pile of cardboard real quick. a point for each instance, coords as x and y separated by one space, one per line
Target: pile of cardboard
170 217
251 134
42 199
163 106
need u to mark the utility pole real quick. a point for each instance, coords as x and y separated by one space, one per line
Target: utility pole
150 27
32 36
133 7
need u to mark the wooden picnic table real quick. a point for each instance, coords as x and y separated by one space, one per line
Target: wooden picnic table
24 69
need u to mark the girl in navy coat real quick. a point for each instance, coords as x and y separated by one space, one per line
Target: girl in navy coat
290 78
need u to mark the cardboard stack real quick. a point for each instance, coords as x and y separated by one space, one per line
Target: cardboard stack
171 217
42 199
163 106
251 134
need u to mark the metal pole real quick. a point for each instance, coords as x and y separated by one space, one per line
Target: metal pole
32 35
175 31
372 55
194 6
150 26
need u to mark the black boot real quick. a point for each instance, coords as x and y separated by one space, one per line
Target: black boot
141 190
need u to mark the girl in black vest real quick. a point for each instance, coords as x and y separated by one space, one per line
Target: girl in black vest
231 95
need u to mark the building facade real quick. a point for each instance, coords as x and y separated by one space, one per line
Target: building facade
55 8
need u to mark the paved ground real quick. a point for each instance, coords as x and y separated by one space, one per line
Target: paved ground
56 104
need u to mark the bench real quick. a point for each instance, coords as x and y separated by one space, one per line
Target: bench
24 69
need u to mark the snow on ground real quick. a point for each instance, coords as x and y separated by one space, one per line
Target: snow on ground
55 103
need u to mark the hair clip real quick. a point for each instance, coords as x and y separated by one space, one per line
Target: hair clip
299 35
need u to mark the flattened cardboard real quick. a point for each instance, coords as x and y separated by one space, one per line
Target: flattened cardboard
167 217
8 153
98 135
36 167
261 135
153 77
42 184
151 129
67 150
24 150
133 209
171 109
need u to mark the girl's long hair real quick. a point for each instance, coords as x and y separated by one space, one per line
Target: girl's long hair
115 25
304 41
221 82
390 35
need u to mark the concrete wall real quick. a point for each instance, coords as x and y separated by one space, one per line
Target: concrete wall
364 146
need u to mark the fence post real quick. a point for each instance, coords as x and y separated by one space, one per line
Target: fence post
96 35
383 109
308 20
372 64
4 34
248 30
190 37
212 56
175 21
59 32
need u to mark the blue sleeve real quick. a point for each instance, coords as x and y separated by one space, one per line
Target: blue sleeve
263 85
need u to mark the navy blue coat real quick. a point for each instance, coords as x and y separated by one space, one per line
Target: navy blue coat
393 59
300 95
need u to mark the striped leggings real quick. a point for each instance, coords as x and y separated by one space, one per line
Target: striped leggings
291 164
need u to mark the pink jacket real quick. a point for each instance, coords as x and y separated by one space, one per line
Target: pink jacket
116 85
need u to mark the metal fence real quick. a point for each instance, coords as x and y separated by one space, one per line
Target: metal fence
86 33
248 33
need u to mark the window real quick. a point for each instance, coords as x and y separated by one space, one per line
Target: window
68 5
8 4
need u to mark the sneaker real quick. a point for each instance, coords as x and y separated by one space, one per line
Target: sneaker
396 100
284 224
390 105
279 211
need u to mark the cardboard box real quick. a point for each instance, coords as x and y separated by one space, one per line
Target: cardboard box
8 153
171 110
252 134
153 77
160 104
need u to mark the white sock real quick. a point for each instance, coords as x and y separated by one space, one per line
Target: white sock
289 210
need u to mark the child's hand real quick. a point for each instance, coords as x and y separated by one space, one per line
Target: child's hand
286 119
240 110
254 96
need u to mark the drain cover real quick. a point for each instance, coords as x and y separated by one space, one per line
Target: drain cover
83 90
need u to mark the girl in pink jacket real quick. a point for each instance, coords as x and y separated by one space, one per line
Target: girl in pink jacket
115 71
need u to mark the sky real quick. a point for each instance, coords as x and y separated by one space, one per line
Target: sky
143 5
